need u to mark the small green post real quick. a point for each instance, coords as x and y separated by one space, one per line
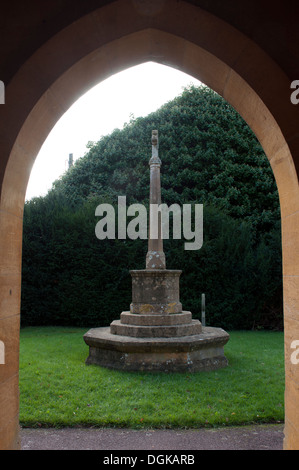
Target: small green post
203 309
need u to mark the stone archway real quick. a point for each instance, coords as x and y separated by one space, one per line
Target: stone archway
107 40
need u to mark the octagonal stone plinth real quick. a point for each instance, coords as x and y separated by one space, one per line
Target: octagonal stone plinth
193 353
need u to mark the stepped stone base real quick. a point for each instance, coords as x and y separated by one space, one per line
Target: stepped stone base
168 331
155 319
156 335
196 352
155 325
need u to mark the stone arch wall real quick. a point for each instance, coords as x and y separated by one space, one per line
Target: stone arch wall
111 38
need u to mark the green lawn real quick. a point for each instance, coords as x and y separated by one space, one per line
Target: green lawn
58 389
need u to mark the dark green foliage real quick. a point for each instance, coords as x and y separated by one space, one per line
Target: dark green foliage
208 153
69 276
209 156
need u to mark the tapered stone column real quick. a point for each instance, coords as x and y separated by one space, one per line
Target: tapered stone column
155 290
155 258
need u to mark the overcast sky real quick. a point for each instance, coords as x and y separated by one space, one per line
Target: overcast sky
137 91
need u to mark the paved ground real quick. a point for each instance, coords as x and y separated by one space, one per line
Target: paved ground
261 437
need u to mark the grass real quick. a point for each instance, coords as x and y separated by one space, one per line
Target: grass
58 389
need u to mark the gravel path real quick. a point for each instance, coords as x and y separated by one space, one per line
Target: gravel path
261 437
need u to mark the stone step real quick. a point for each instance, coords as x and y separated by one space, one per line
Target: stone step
166 331
138 319
186 353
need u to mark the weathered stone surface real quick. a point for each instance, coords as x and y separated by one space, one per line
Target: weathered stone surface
155 258
155 291
129 318
156 331
187 353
